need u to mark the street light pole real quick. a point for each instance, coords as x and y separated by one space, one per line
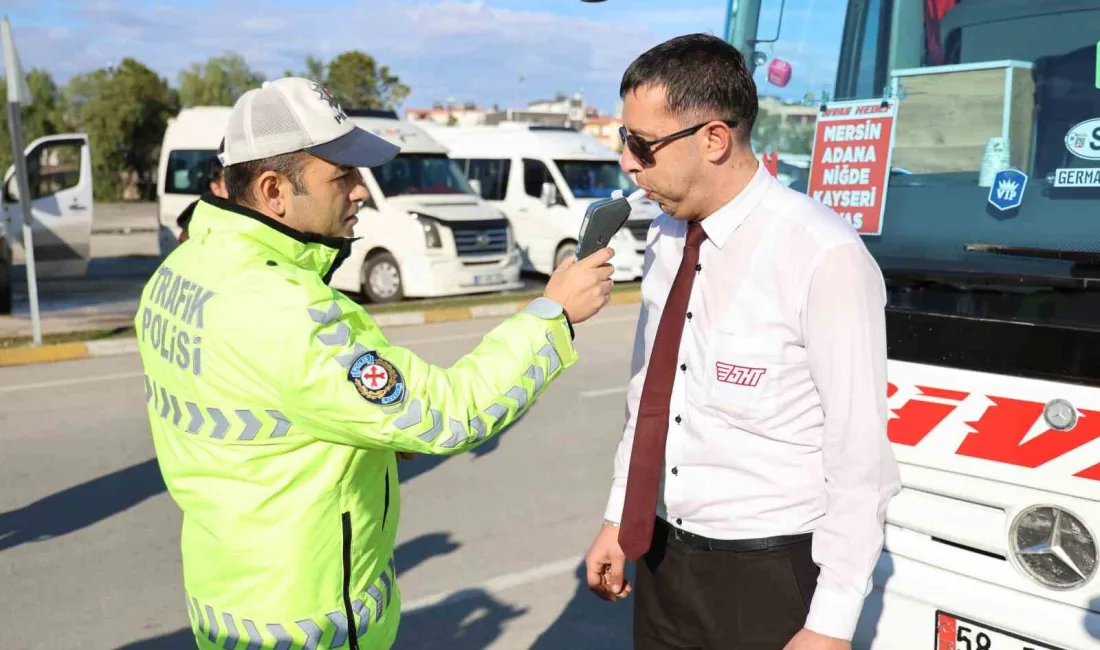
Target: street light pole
18 97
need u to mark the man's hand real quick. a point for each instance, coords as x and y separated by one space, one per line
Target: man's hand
605 563
809 640
582 287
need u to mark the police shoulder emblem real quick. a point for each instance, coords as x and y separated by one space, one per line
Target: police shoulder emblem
377 380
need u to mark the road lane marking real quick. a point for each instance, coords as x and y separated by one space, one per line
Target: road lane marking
500 583
601 392
69 382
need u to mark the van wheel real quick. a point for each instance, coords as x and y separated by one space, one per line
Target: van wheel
381 279
568 249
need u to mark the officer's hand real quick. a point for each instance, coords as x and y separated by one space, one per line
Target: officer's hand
582 287
604 566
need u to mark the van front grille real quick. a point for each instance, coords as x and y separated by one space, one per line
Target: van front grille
480 237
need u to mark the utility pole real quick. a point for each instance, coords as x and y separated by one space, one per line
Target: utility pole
18 97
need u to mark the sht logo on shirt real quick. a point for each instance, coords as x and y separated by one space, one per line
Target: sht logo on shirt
739 375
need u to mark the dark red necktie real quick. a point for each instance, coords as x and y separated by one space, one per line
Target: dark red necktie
647 456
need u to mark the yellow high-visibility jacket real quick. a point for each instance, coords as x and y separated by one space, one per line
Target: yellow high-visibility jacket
276 405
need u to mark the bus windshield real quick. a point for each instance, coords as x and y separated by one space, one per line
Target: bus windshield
994 178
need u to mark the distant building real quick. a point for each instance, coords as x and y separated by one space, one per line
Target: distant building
562 111
787 111
468 114
605 128
561 104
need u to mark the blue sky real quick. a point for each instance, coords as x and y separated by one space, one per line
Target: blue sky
469 50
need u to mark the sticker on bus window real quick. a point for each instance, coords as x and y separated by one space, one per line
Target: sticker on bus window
850 159
1007 191
1080 177
1083 140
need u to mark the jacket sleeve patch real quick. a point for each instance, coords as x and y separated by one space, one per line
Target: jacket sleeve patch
377 380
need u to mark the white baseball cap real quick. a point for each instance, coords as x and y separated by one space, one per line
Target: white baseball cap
295 114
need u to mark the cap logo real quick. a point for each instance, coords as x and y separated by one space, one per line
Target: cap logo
327 97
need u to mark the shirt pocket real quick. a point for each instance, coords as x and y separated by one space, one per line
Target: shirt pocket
743 374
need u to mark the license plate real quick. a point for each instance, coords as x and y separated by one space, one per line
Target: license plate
955 633
492 278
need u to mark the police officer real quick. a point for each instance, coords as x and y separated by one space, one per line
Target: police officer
276 403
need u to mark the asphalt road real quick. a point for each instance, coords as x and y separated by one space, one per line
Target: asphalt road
489 547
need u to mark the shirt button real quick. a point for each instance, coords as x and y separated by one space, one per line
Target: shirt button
698 267
271 263
689 315
677 419
675 471
683 366
679 521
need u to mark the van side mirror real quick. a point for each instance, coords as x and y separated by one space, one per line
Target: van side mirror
549 194
475 185
11 189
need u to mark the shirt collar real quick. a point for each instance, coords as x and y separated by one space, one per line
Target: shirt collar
720 225
305 250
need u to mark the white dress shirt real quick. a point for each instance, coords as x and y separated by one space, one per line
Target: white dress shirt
780 389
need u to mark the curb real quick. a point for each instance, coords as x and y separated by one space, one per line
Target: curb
92 349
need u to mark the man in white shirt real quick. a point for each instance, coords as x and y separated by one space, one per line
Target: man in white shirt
754 470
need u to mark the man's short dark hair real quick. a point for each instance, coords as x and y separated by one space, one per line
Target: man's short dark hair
240 177
704 77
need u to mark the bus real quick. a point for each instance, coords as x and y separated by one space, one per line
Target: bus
989 244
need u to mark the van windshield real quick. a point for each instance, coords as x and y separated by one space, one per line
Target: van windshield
416 173
189 171
591 179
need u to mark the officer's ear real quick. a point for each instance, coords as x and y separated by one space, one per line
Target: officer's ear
271 194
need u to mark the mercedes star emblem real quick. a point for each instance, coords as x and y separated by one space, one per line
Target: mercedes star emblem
1060 415
1054 547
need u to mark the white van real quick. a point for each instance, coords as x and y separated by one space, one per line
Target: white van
544 178
59 168
187 153
424 232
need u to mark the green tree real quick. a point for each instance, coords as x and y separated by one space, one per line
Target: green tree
43 117
218 82
124 111
359 82
771 132
315 70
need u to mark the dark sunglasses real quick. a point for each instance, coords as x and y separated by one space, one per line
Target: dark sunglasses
643 149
